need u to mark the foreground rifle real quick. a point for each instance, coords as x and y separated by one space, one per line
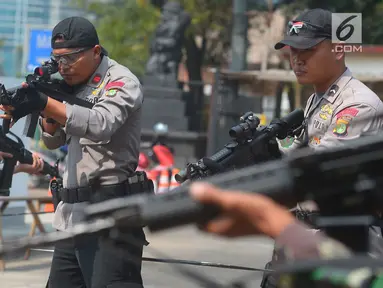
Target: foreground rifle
345 182
42 81
17 149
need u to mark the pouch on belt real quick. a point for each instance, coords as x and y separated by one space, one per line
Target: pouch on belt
54 186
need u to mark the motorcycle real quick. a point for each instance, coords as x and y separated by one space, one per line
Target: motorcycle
161 156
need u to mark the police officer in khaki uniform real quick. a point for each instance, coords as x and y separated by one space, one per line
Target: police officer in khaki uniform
330 115
332 112
339 100
103 142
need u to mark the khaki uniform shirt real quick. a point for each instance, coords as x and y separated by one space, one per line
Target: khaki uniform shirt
103 139
333 120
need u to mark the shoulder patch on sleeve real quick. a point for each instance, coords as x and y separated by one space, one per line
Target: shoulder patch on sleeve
342 124
114 85
348 111
131 84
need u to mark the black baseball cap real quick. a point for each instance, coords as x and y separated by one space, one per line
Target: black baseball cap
307 30
77 32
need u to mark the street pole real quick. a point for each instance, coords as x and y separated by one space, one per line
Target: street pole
226 95
239 36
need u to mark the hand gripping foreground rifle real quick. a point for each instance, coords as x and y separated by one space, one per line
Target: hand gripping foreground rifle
250 145
42 81
17 149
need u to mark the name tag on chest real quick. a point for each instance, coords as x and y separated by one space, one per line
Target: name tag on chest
91 95
91 99
318 125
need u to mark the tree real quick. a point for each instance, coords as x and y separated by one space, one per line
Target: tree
207 40
124 28
372 13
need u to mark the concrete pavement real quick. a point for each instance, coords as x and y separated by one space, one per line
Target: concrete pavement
186 243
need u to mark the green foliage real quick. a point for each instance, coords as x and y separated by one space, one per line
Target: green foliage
124 30
372 13
211 22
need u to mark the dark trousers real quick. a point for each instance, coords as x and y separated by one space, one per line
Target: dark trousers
98 262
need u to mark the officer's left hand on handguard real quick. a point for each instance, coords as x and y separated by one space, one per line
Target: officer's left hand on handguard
273 149
25 101
266 151
213 166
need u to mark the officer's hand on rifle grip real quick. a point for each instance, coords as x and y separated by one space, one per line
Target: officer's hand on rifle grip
8 110
25 101
7 117
33 101
5 155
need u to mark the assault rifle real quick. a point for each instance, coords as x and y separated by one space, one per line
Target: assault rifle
250 145
344 182
17 149
42 81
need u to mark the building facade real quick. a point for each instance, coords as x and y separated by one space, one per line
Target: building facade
16 16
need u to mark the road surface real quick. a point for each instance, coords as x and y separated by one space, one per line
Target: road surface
186 243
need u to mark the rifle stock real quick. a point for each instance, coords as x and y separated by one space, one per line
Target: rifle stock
6 176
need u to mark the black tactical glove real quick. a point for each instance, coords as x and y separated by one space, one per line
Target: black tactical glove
273 149
265 151
26 101
213 166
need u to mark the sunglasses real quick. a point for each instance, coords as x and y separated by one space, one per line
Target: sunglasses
298 27
70 58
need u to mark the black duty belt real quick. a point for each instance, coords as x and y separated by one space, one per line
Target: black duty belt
136 184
